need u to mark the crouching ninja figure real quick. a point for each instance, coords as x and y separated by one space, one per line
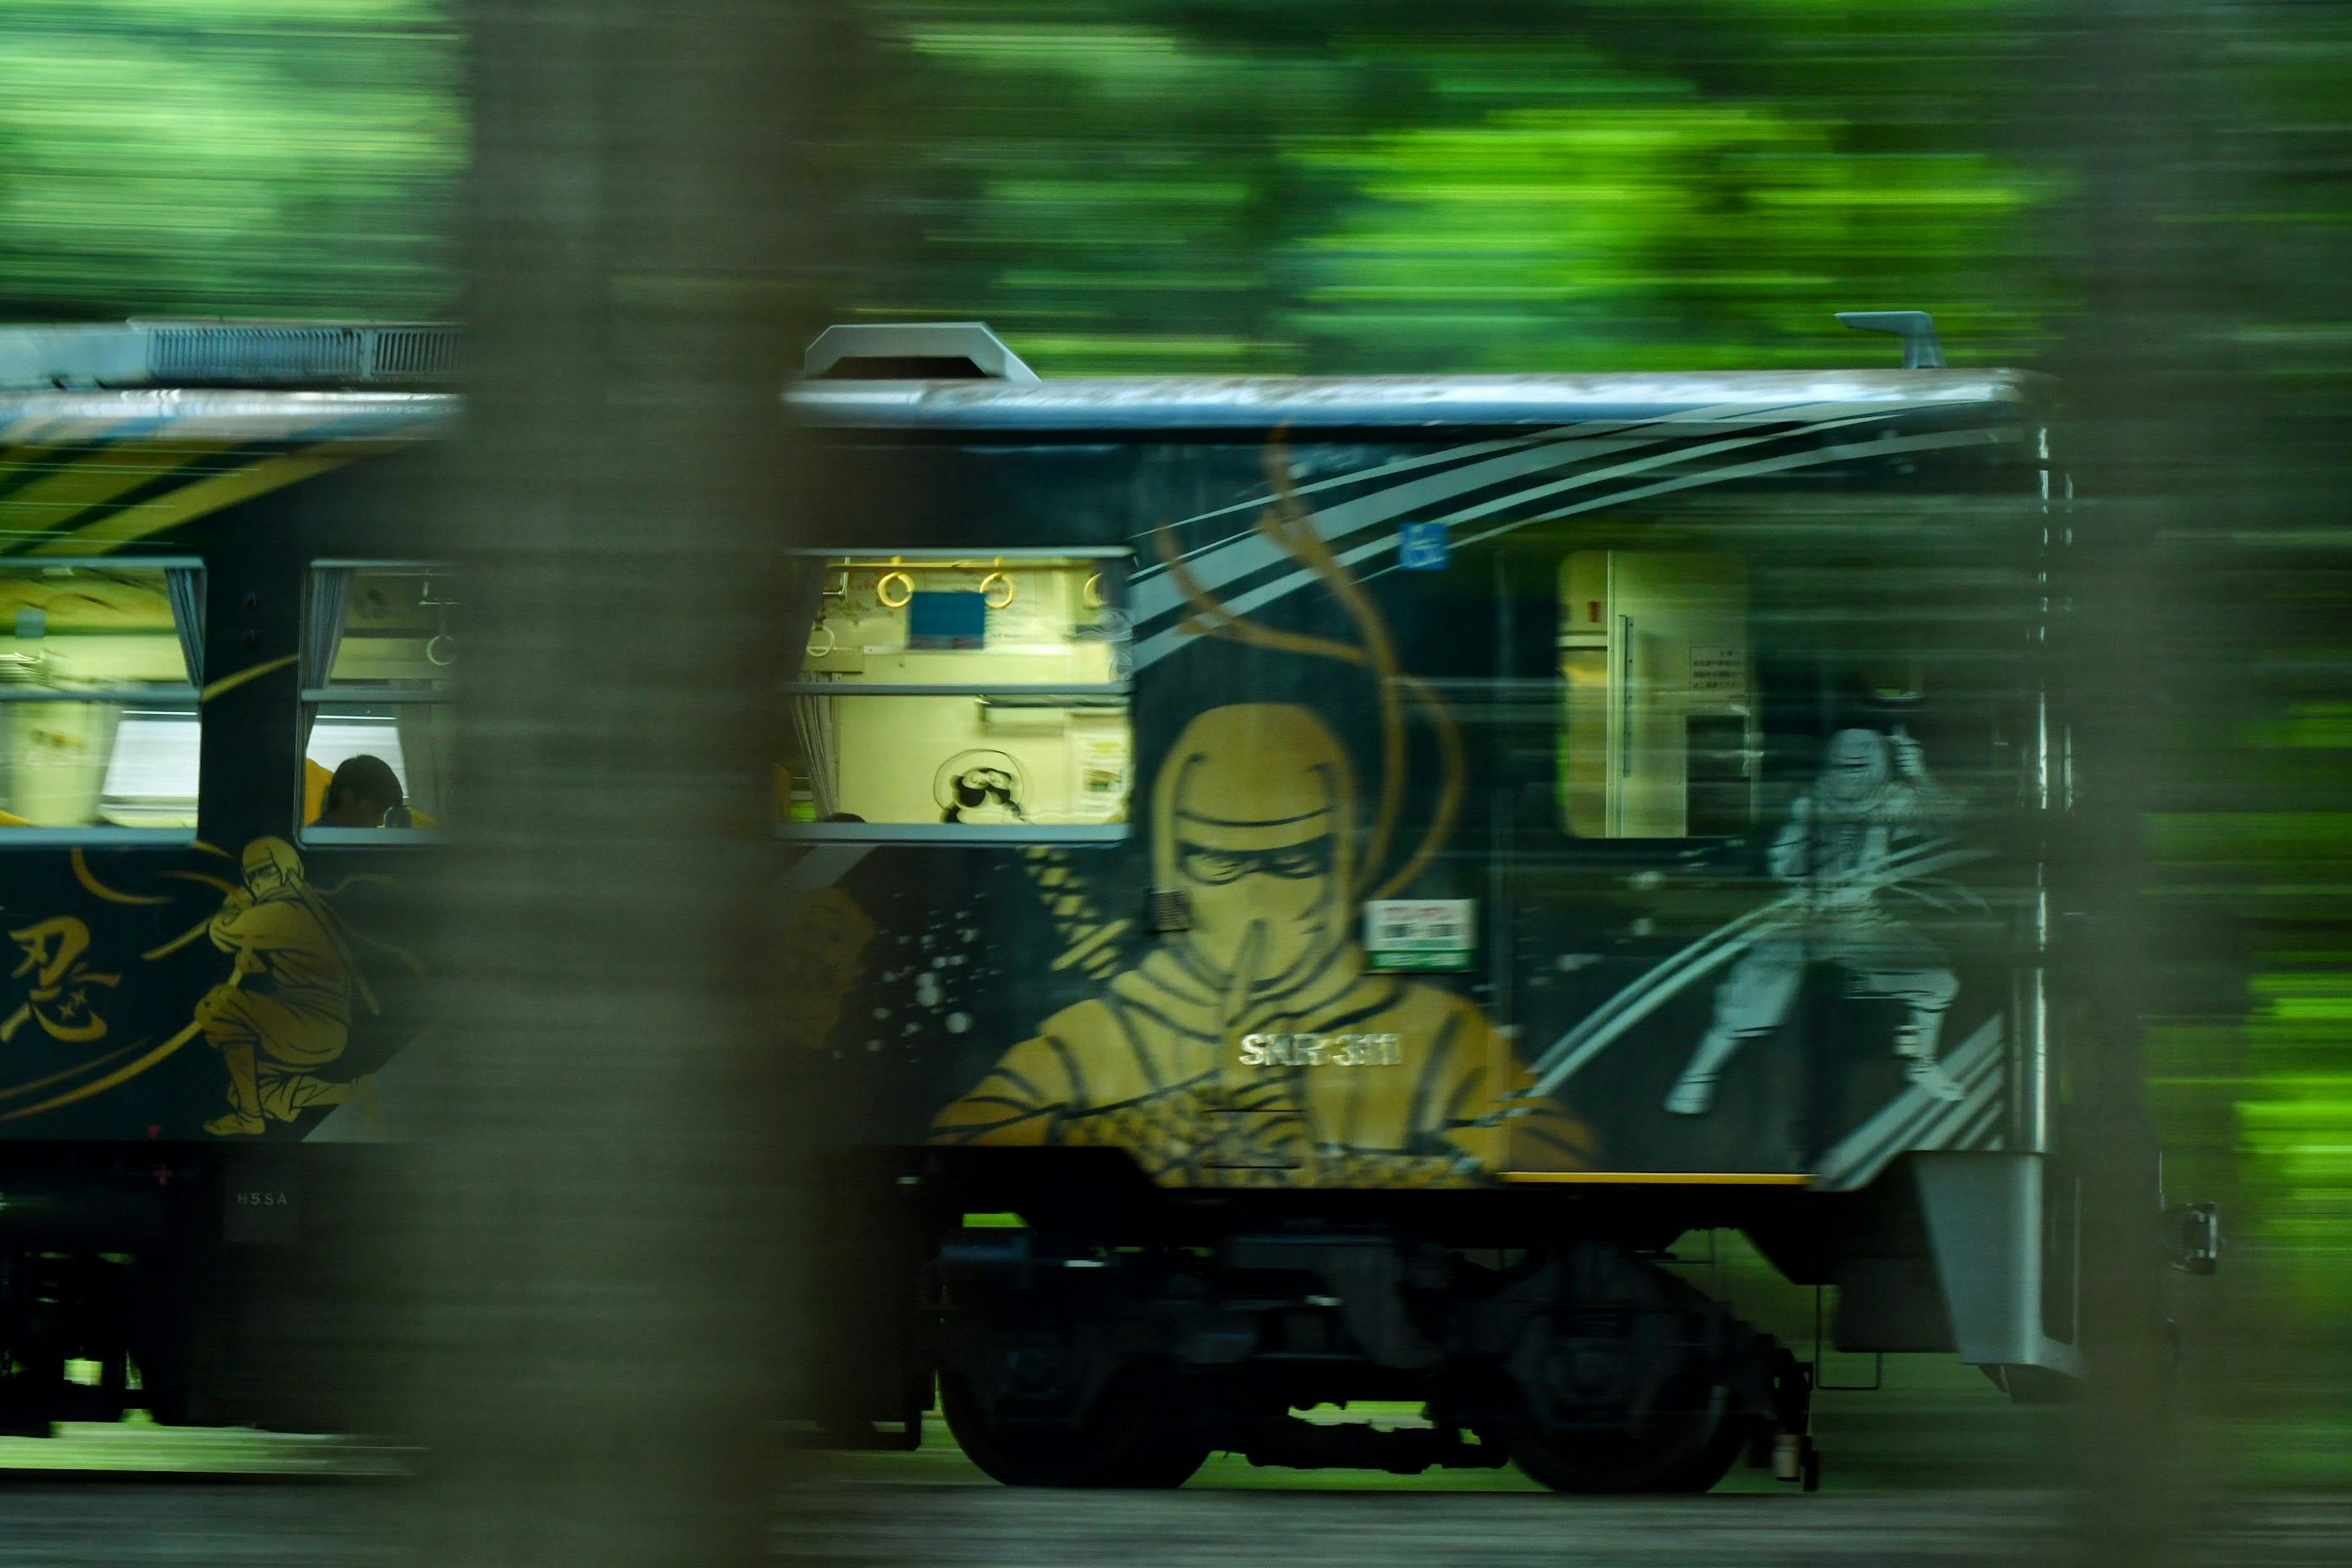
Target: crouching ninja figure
286 1008
1874 790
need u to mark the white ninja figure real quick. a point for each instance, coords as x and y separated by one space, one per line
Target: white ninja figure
1874 790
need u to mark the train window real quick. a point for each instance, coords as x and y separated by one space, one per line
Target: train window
1659 736
379 659
960 697
100 662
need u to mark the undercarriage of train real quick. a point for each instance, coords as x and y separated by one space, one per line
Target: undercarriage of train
1595 1368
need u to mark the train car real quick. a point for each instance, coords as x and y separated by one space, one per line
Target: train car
1307 887
223 744
1296 890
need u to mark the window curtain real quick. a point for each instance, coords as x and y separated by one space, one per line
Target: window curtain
427 743
814 724
812 717
323 634
322 638
186 586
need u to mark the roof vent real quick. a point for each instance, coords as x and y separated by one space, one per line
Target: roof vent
1915 328
913 350
227 353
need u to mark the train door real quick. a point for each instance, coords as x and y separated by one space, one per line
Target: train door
1658 724
1752 855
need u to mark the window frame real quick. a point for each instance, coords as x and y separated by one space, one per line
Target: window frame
951 834
1617 751
311 697
113 835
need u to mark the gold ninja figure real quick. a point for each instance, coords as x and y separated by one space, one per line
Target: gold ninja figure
286 1008
1254 822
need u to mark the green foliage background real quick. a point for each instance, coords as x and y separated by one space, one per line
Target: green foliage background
1300 185
1321 186
1264 185
226 157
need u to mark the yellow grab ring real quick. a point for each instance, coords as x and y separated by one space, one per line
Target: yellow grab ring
1093 591
905 589
989 584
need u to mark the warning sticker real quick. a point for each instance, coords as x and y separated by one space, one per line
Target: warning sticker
1420 933
1718 671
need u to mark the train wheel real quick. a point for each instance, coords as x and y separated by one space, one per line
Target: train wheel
1684 1451
1133 1437
1706 1466
1630 1381
1165 1464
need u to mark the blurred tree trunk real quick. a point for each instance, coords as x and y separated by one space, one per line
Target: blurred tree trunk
607 1211
2148 385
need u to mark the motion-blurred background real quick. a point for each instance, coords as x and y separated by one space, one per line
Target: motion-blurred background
2152 200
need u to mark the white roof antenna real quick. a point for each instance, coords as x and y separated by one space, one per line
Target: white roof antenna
1915 328
913 350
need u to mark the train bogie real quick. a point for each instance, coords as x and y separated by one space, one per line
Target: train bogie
1595 1369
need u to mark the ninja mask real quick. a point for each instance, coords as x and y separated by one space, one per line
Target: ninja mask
1254 820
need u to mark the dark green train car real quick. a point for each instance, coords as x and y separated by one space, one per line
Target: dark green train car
1357 867
209 616
1298 889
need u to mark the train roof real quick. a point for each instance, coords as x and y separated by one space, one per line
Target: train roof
1080 404
1076 405
99 468
115 434
309 382
959 376
178 416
